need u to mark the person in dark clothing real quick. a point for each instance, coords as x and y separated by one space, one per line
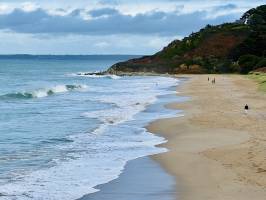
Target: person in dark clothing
246 108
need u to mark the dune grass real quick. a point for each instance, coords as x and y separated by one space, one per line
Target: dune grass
260 78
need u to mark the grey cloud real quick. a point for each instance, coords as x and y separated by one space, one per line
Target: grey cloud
76 12
159 23
103 11
229 6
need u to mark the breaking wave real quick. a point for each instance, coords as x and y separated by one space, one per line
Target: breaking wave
44 92
95 75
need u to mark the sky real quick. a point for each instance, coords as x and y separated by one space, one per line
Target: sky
108 26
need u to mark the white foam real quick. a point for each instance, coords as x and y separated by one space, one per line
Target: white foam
93 75
125 110
40 93
99 157
102 76
72 179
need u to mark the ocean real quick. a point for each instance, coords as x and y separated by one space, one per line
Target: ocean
63 132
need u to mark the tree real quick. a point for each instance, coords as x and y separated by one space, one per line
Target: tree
247 63
261 63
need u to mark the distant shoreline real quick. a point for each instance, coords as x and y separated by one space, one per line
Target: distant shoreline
96 56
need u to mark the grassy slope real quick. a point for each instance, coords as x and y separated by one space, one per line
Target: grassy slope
260 78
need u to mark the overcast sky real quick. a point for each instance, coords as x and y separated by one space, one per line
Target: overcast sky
107 26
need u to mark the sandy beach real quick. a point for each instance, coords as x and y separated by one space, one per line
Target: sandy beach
216 151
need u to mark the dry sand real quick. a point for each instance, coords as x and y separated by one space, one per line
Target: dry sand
216 152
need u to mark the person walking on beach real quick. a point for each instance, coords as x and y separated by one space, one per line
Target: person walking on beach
208 78
246 108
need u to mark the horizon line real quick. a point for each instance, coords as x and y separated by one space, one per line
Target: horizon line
72 54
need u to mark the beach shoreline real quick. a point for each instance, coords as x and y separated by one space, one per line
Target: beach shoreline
215 150
133 184
141 178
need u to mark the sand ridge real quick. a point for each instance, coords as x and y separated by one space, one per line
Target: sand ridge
216 151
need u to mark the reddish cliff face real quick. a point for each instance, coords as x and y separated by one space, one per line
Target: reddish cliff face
183 57
218 45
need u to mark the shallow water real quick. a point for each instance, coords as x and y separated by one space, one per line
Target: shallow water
62 133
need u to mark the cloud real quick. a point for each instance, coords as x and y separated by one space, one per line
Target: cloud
103 12
82 44
156 22
229 6
107 26
28 6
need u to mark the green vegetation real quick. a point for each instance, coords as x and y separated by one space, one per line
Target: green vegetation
238 47
247 63
255 43
178 48
260 78
261 63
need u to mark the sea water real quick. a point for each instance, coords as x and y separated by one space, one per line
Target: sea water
63 132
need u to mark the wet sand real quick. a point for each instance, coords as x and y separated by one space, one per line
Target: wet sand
142 179
216 151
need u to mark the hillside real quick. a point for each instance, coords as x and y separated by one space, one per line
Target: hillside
231 47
